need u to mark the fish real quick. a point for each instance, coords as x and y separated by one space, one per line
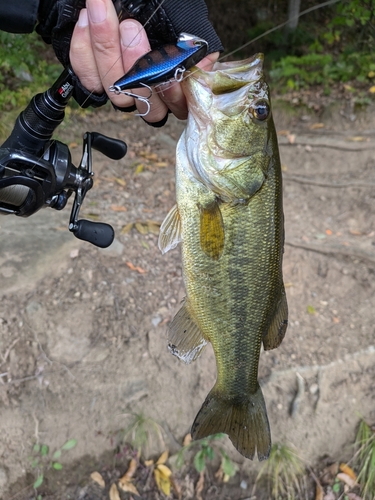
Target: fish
229 220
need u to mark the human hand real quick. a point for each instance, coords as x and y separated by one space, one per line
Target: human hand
102 51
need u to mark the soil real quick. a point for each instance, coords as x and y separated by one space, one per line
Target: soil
83 330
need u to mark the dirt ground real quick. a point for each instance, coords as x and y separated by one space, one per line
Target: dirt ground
83 330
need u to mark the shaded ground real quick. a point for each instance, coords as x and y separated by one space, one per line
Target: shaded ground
83 330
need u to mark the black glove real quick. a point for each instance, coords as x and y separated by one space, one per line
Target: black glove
163 24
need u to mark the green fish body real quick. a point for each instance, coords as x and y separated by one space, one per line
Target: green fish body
229 218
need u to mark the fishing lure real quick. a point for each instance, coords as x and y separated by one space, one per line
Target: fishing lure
161 65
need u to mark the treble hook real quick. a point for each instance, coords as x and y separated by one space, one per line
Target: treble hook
146 100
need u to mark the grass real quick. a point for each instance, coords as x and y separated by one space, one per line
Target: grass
365 460
282 472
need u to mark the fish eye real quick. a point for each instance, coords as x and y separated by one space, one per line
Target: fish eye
260 110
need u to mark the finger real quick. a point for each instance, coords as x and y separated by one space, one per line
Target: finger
106 46
82 57
135 44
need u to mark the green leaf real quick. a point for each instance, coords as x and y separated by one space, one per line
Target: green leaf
38 482
57 465
228 466
36 448
69 444
199 461
56 455
210 452
44 451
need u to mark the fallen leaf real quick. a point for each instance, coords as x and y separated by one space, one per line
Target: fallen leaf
284 168
357 138
316 126
98 478
161 164
128 487
348 470
187 440
162 475
149 463
139 169
319 492
311 309
73 145
200 486
176 487
345 478
283 132
372 89
120 181
118 208
371 74
355 233
131 266
329 232
113 493
141 228
127 228
163 458
131 470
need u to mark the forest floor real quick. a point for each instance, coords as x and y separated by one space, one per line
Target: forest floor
83 330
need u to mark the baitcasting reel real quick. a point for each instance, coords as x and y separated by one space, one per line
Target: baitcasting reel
37 172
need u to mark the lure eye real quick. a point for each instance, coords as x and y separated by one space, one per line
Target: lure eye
260 110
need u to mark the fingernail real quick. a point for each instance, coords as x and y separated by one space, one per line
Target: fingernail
83 20
131 33
97 11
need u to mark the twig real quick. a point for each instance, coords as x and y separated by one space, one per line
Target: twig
299 395
334 250
7 352
312 182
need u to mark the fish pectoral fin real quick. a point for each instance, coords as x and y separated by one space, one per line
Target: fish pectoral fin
245 422
185 339
278 326
211 230
170 231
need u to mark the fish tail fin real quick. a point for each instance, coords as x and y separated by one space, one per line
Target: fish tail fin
245 422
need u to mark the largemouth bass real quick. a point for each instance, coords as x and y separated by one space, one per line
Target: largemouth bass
229 218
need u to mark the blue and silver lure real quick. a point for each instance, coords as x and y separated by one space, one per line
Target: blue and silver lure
158 66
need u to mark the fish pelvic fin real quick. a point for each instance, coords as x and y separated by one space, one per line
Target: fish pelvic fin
185 339
245 422
279 323
170 231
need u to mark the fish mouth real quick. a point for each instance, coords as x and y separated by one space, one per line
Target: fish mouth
232 75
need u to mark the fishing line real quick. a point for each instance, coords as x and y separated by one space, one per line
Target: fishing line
271 30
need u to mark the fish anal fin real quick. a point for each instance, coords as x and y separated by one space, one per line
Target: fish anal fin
278 326
170 231
185 339
211 230
245 422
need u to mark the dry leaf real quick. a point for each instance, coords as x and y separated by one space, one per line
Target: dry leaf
139 270
355 233
128 487
120 181
284 168
141 228
118 208
127 228
163 458
73 145
176 487
349 471
357 138
316 126
345 478
139 168
148 463
162 475
98 478
161 164
130 472
113 493
187 440
319 492
200 486
372 89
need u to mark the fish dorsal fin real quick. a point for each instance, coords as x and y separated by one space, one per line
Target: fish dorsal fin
185 339
170 231
211 230
278 326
